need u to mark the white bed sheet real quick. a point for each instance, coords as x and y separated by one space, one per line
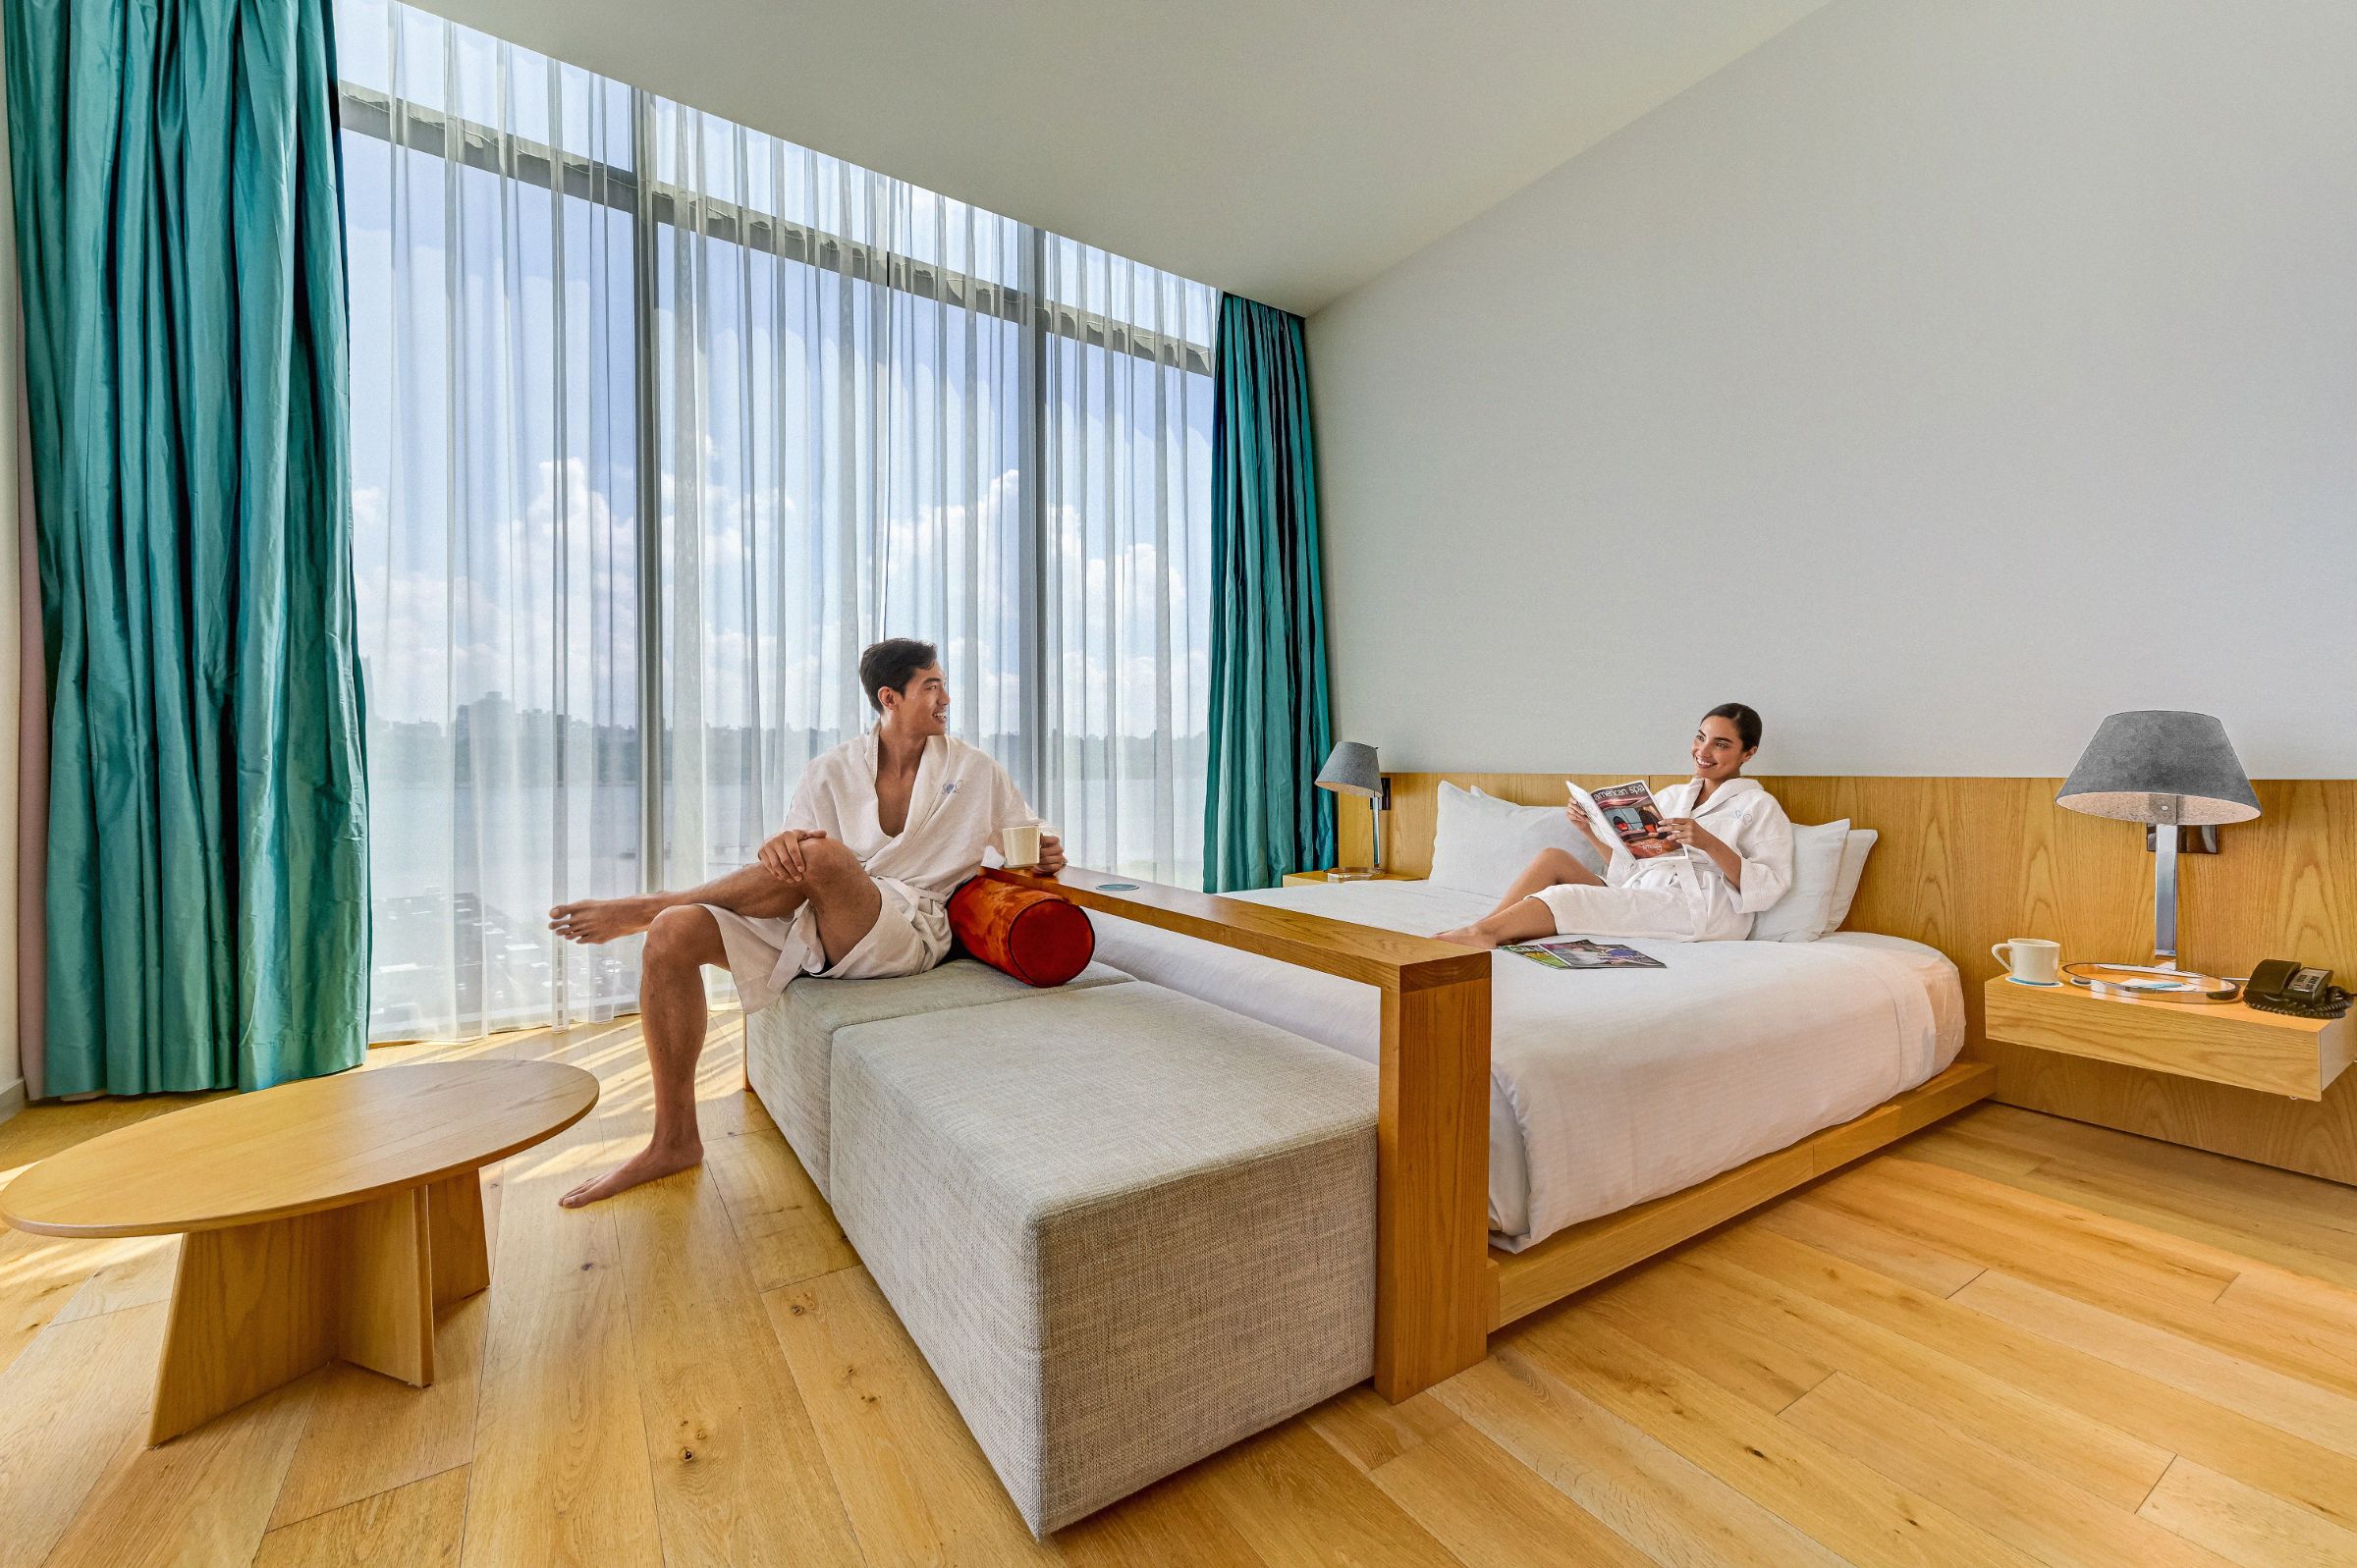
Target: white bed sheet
1612 1087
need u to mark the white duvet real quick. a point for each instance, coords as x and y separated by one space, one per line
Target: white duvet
1611 1087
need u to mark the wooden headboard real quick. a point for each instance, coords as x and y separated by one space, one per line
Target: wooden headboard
1964 863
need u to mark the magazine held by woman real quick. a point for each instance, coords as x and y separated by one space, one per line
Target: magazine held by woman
1634 818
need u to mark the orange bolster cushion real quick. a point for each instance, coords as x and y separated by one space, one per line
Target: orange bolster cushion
1038 938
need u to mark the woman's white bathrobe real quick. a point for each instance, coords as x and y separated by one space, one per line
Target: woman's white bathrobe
1683 895
961 799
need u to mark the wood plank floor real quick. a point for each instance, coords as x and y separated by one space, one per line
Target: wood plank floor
2010 1340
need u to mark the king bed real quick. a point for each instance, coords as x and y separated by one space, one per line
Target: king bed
1608 1088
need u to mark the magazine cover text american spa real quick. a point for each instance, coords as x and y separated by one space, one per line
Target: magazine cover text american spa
1630 810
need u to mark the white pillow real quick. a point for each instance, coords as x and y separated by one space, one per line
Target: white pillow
1853 869
1481 844
1800 914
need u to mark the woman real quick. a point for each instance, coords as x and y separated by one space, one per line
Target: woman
1734 859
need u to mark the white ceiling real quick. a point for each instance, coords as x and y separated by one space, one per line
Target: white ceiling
1287 150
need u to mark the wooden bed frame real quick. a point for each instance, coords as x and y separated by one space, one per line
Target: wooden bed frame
1577 1255
1962 864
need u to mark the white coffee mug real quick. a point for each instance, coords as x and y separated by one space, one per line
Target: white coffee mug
2031 961
1019 846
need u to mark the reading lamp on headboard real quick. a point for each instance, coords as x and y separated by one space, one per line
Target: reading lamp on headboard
1350 770
2174 771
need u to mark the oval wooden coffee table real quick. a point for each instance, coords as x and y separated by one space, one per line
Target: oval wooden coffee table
321 1219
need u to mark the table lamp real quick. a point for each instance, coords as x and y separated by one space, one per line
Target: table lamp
1350 770
2172 770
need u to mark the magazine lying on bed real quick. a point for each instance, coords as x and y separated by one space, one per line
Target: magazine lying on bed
1631 812
1585 954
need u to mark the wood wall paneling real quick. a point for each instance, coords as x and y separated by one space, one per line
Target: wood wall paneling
1964 863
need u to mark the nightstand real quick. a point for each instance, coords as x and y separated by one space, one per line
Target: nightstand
1296 879
2220 1042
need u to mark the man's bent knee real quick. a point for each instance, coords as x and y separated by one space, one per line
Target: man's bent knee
683 937
828 864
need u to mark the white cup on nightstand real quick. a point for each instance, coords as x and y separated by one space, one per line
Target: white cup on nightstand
2030 960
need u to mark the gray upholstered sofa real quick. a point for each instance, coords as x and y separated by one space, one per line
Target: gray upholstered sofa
1125 1227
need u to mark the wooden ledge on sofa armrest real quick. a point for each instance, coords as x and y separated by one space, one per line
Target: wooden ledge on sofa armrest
1391 959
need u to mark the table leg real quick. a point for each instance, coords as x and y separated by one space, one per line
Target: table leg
388 1306
258 1305
461 1260
253 1306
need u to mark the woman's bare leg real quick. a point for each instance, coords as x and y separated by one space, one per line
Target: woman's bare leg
1549 868
1525 920
752 890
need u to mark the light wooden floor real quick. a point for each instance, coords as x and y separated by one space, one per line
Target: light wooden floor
2008 1342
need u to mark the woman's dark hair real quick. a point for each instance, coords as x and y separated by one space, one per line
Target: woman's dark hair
891 665
1745 719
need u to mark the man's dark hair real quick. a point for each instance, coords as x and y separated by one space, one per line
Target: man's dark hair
1746 720
891 665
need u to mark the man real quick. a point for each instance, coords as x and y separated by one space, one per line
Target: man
855 886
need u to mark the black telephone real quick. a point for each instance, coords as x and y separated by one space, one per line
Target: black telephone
2284 985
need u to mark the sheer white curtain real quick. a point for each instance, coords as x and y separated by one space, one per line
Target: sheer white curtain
1126 620
844 427
658 416
885 412
493 418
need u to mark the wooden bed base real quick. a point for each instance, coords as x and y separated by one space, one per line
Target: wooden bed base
1578 1255
1439 1288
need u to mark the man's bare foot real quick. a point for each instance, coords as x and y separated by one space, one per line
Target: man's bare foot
1466 937
596 920
650 1163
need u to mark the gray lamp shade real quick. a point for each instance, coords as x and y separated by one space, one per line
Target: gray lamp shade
1350 770
2161 767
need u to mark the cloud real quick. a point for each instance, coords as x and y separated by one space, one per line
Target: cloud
458 599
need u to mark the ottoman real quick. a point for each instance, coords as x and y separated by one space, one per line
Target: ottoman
1128 1228
787 1043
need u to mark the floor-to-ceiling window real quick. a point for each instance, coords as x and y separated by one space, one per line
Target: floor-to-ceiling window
657 421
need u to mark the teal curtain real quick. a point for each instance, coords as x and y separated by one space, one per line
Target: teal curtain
180 235
1263 815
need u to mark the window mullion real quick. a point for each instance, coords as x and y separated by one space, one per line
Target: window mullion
1032 683
651 708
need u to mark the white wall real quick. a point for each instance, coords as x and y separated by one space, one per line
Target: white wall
1937 378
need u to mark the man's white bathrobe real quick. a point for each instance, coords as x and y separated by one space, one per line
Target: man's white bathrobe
1683 895
962 797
